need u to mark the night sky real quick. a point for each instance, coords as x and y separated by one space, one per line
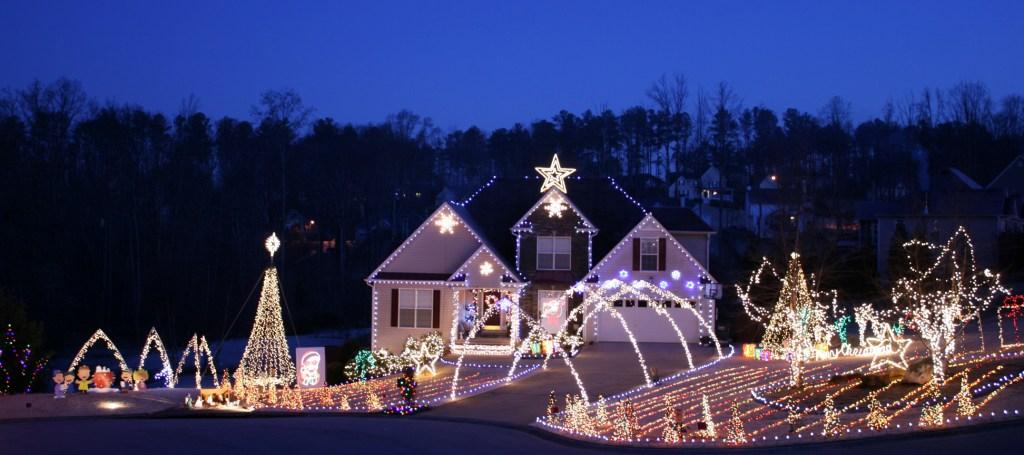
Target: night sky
493 64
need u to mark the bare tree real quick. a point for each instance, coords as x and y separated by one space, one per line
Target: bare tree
189 106
837 112
889 112
970 103
283 106
1010 118
701 121
669 95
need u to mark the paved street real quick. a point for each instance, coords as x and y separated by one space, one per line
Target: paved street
422 435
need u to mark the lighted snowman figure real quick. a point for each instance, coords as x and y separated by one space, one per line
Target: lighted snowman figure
309 372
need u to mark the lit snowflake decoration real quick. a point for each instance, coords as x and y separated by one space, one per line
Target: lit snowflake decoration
486 269
555 206
273 244
446 223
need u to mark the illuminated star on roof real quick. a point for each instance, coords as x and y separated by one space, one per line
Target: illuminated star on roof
554 175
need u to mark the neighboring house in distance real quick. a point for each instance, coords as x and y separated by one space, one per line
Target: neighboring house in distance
1011 179
508 254
763 206
954 200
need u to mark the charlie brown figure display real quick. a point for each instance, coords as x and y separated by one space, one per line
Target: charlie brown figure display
83 379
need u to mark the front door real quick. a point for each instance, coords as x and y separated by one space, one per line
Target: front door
493 321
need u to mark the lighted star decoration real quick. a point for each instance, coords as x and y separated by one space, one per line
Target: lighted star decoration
897 347
272 244
426 360
446 223
486 268
555 206
554 175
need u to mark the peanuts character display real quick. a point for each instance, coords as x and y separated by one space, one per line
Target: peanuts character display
83 379
69 383
139 378
59 388
125 384
103 378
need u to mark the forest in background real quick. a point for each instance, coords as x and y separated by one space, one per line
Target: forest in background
123 218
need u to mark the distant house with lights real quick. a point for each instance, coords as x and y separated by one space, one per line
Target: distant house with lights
509 253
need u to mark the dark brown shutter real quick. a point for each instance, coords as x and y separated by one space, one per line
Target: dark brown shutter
394 308
661 253
636 254
437 308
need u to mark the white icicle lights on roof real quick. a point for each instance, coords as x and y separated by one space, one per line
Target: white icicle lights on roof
267 360
942 296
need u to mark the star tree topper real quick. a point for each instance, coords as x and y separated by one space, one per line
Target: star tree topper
554 175
272 244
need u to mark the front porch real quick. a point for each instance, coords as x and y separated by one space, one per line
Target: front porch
487 321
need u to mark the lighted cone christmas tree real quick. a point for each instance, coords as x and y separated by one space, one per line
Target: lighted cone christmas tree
266 360
799 319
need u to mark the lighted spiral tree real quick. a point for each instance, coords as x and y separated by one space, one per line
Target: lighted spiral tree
798 321
406 384
266 360
943 296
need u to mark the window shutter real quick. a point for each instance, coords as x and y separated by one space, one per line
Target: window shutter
636 254
394 308
661 253
437 308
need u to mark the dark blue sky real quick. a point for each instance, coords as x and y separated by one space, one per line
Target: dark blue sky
493 64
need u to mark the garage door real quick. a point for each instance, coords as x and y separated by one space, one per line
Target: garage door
648 326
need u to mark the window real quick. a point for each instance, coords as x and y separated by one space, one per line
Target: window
553 253
416 308
649 254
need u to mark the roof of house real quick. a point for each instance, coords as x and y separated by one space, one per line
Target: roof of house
497 206
964 178
680 219
492 211
978 203
1010 178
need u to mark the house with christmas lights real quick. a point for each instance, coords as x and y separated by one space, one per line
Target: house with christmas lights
529 250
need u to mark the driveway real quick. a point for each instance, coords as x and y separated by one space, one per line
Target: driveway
605 368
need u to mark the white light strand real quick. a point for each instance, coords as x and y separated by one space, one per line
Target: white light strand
96 336
165 373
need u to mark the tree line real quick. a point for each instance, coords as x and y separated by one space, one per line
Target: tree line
121 217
